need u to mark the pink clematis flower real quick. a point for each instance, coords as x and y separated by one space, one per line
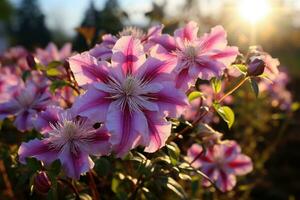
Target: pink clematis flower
51 53
15 58
103 51
221 163
279 95
9 82
132 96
71 139
194 57
25 103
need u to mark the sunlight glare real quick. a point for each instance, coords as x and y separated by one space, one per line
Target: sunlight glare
254 10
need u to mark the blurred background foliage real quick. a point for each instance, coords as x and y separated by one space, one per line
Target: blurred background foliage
269 138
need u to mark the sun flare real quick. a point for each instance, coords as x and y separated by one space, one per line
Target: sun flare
254 10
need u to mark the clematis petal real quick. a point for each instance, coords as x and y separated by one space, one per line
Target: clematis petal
166 41
128 129
225 182
87 69
47 117
241 165
159 130
155 70
97 144
216 39
52 50
170 100
230 149
93 104
75 164
188 32
8 108
101 52
128 54
193 153
206 68
226 56
39 149
65 51
24 120
183 80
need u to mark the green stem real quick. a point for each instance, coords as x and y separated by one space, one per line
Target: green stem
233 89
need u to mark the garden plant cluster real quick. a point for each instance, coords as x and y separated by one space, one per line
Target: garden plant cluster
138 116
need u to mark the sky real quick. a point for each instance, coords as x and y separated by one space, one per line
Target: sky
68 14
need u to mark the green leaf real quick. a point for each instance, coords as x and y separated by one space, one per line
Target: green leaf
54 168
25 75
295 106
103 166
41 67
216 85
115 184
53 72
184 177
172 185
33 164
174 152
54 64
226 113
241 67
194 95
254 86
57 84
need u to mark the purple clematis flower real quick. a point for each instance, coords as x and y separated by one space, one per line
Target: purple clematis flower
9 83
51 53
132 96
71 139
25 103
221 163
103 51
194 57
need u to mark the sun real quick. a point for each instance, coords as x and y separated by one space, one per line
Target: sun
254 10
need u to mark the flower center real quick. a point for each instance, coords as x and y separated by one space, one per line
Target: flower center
190 52
130 94
132 31
25 99
70 134
130 86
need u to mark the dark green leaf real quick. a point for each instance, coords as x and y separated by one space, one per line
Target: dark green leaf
254 86
57 84
103 166
25 75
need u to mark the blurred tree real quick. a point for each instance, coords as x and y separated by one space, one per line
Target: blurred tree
108 20
28 28
5 10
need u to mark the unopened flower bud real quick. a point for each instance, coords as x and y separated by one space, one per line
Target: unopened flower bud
256 67
42 184
30 61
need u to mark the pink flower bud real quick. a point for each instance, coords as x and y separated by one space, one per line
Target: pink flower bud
42 184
